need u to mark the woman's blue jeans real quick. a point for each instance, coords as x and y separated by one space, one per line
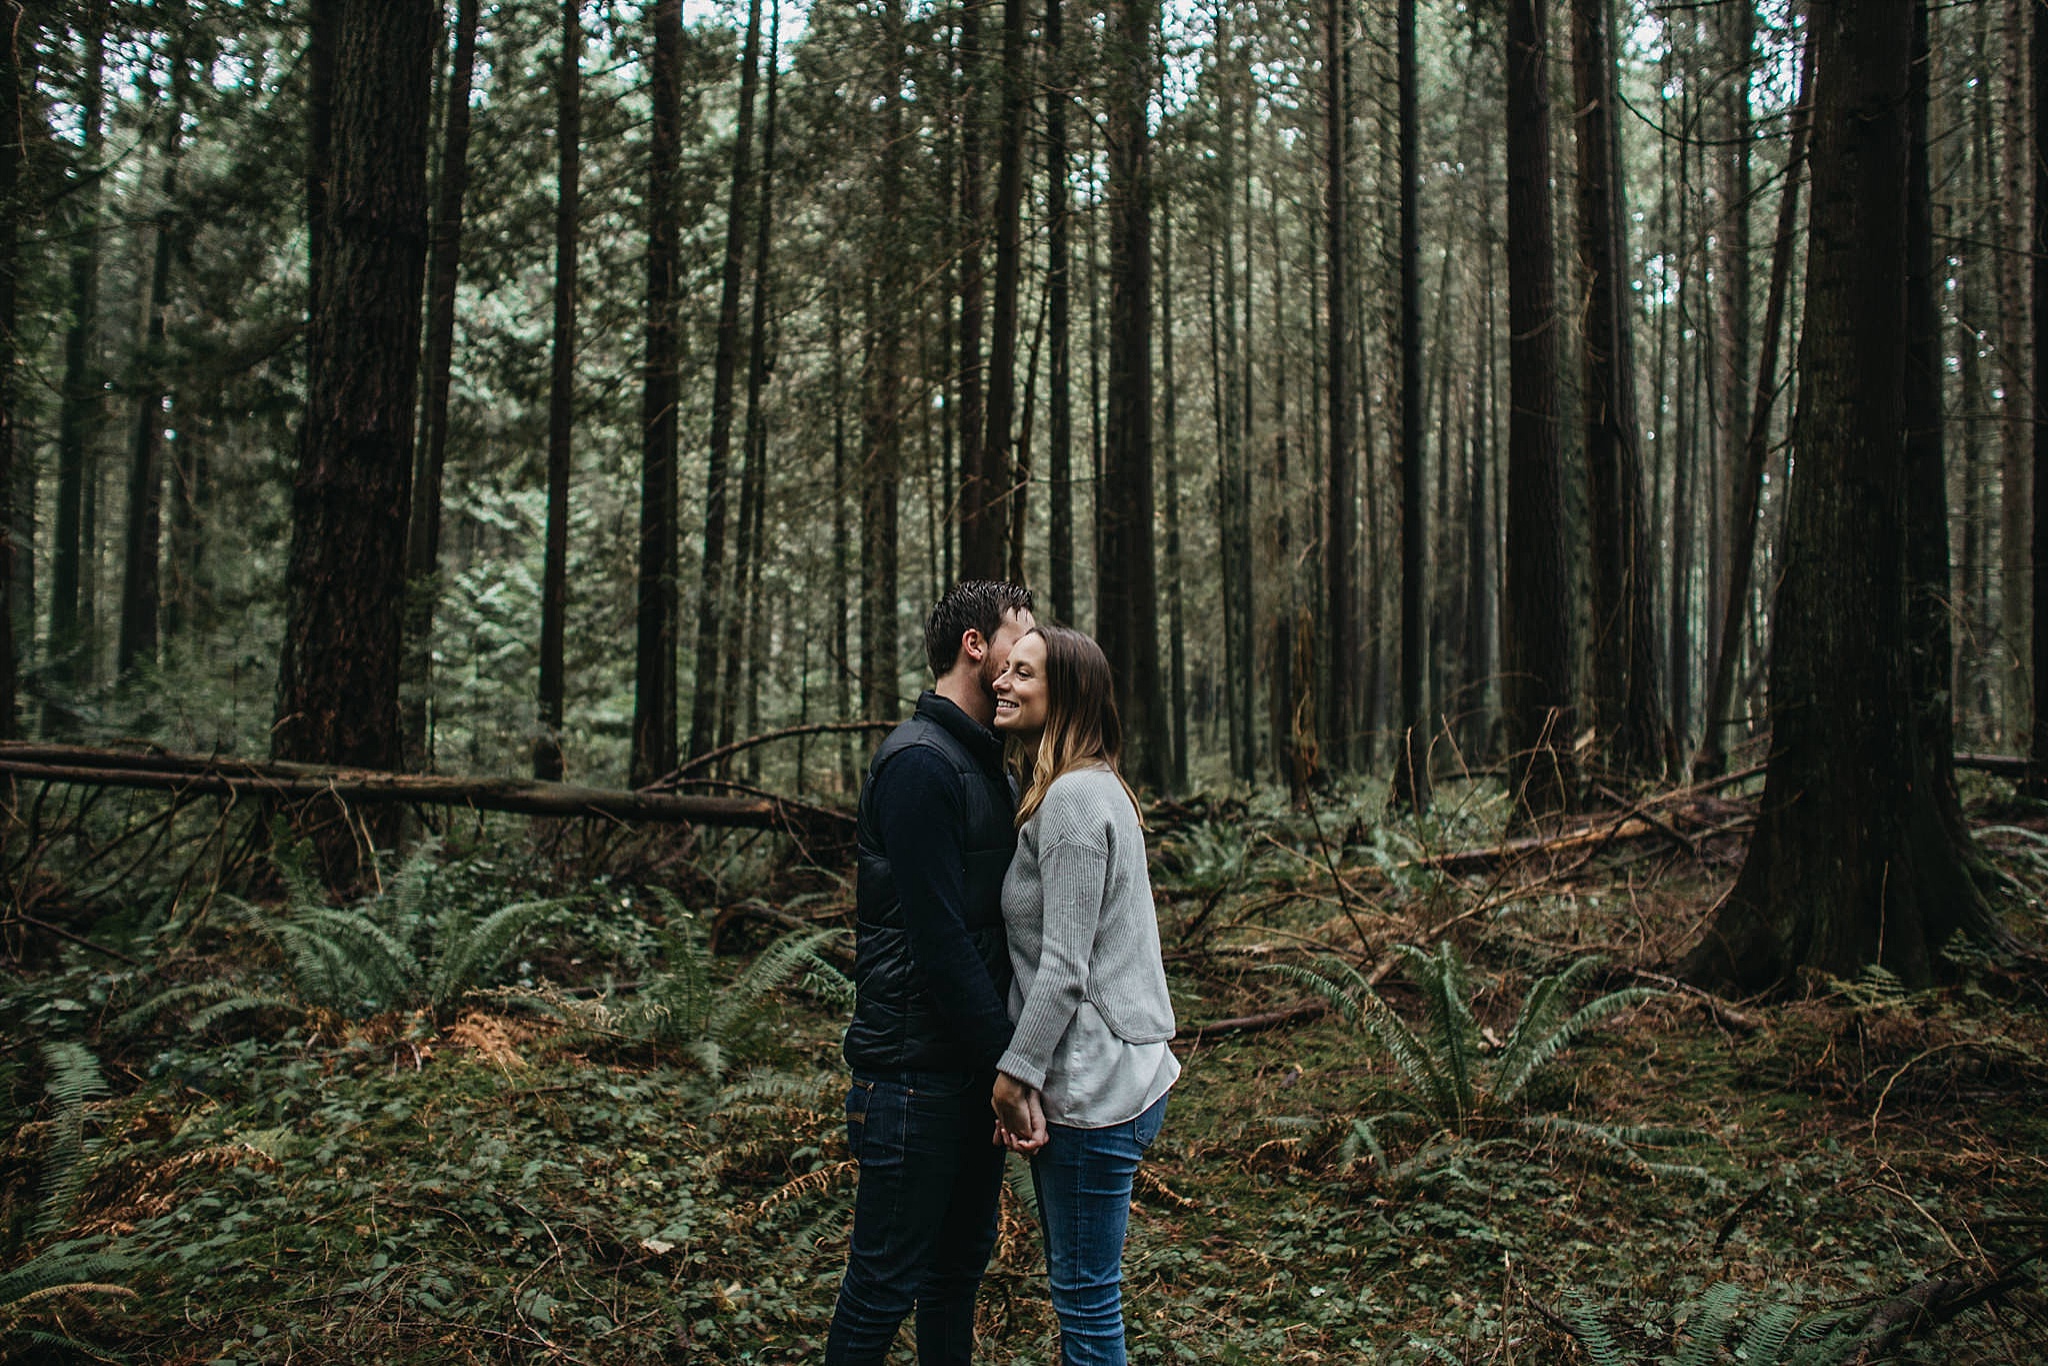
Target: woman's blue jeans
1083 1178
924 1215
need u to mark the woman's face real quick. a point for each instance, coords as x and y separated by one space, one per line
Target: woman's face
1020 689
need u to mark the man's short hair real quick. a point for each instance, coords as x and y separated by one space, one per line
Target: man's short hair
976 604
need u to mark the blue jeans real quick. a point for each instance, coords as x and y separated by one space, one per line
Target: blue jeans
1083 1177
924 1215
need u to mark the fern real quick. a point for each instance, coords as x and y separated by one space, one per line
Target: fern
73 1078
60 1270
1590 1328
479 950
1709 1325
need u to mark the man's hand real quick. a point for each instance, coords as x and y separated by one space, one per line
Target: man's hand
1019 1115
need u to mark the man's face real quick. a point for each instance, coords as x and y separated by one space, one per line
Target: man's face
1015 624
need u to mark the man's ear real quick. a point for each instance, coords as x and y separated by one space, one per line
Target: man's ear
973 644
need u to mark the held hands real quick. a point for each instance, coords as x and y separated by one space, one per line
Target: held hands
1020 1121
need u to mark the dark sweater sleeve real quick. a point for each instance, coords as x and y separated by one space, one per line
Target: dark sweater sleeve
916 802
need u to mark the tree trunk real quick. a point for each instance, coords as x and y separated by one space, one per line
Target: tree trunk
1627 707
2038 60
1852 861
1411 751
1340 535
1927 546
881 398
1126 594
17 87
999 469
69 651
1749 474
548 760
981 550
1535 621
1058 285
712 600
143 532
423 539
2014 485
749 549
842 553
1740 26
338 671
657 599
1176 632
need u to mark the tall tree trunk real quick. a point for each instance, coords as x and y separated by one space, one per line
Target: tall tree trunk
17 88
1739 22
1749 474
657 605
748 548
2014 482
143 533
2038 60
554 596
1340 535
1176 632
1058 285
1927 545
1000 469
1126 595
712 601
882 397
1852 862
1411 753
338 671
1536 657
981 554
1627 706
78 421
842 552
423 539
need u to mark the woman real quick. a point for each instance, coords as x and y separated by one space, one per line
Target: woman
1082 1089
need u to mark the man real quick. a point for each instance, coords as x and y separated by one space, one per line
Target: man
937 831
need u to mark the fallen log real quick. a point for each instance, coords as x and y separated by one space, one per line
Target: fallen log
200 775
1252 1024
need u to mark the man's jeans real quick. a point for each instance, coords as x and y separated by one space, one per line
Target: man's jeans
924 1216
1084 1180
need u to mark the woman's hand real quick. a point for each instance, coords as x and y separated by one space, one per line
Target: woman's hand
1020 1119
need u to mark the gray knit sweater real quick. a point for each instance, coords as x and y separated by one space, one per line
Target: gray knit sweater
1090 999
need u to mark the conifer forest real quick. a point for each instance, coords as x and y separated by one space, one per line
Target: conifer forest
1561 487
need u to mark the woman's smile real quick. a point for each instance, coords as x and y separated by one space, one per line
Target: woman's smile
1020 688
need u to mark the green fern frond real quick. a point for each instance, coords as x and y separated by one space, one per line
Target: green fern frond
211 990
479 950
410 891
1708 1326
767 1086
1589 1326
782 960
72 1077
1509 1084
1765 1341
1338 996
235 1005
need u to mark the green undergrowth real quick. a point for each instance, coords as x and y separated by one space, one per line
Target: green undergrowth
542 1168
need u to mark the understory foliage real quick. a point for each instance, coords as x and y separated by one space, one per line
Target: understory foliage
1713 1331
1457 1083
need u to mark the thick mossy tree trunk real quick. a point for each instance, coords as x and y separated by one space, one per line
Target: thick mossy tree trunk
345 580
1126 585
655 625
1853 862
1536 661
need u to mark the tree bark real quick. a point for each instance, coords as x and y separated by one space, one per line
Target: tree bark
444 268
548 759
1535 622
1058 286
1176 630
1927 545
882 396
1852 862
142 541
981 551
1126 591
78 421
1411 752
1340 533
17 84
1749 474
1000 469
338 671
714 602
1627 705
658 600
2038 61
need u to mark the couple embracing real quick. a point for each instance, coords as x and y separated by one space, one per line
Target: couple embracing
1007 962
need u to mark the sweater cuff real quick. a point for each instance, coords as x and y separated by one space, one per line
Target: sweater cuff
1023 1069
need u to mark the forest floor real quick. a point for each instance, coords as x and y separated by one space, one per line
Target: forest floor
542 1172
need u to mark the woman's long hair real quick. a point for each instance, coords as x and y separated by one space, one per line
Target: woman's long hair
1081 725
